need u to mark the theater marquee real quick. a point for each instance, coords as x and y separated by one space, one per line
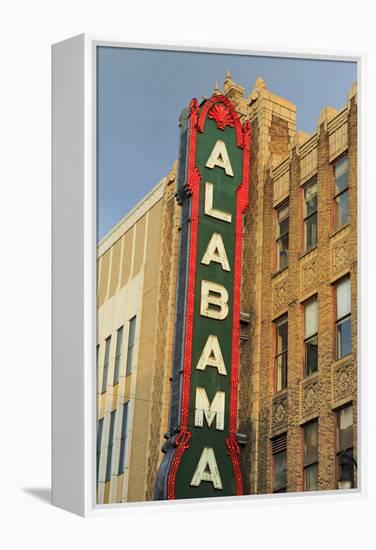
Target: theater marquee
202 453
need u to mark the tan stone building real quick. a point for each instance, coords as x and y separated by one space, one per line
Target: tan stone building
297 387
136 274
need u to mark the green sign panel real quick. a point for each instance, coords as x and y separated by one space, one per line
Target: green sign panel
201 457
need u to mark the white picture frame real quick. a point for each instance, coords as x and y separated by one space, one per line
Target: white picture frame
74 276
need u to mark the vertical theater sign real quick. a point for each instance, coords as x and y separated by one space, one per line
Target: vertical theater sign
202 452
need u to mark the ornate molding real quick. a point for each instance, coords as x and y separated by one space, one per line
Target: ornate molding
164 339
280 295
222 116
308 276
340 255
343 381
226 103
309 397
279 412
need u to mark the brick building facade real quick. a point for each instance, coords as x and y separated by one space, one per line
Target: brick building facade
297 386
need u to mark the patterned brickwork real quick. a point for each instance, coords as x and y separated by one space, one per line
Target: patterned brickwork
308 274
245 410
164 323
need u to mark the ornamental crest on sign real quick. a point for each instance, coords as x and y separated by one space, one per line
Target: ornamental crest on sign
222 116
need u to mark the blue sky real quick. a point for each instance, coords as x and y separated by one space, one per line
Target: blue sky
142 92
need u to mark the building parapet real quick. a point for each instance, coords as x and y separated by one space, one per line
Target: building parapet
336 123
132 217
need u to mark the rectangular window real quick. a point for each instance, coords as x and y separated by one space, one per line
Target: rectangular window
106 363
131 340
311 456
99 444
282 237
345 462
280 361
310 337
119 347
343 318
123 440
279 452
341 192
110 446
310 215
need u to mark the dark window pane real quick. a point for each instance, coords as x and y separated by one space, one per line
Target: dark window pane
282 230
283 226
131 341
310 199
110 446
341 175
281 353
106 363
281 371
311 355
346 466
280 471
107 350
282 335
311 477
311 204
282 249
345 463
341 210
341 183
99 444
311 231
132 329
123 438
119 345
345 429
99 435
129 360
343 337
310 443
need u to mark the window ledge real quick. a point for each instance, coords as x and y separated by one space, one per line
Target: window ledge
306 252
310 377
344 360
339 230
276 273
279 393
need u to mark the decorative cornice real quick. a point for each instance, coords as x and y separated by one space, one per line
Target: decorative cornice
281 169
340 119
308 146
